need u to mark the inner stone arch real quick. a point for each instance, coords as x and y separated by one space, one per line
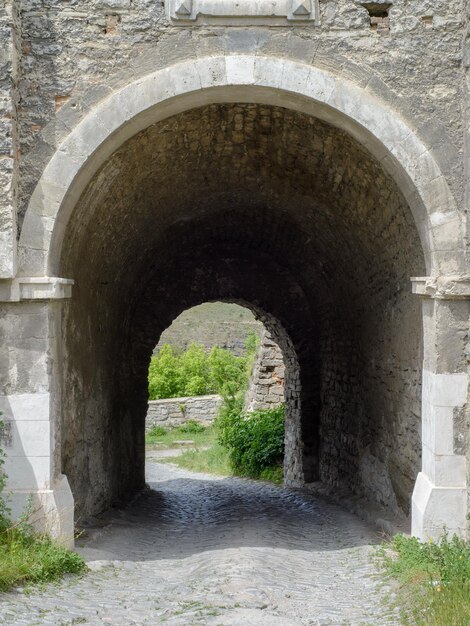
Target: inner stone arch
280 212
272 379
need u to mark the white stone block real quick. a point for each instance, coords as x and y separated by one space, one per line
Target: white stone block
240 70
29 407
212 72
30 438
39 234
90 133
408 150
27 473
445 470
438 429
51 510
447 229
61 170
440 197
436 509
320 85
268 72
296 81
8 252
46 288
449 389
186 78
349 100
46 200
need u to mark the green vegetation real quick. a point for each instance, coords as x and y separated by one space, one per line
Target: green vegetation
242 444
213 460
25 556
205 455
195 372
239 444
434 579
199 436
255 440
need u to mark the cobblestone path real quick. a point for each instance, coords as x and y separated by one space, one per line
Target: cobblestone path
202 550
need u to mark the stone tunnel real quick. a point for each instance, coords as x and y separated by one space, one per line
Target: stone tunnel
280 212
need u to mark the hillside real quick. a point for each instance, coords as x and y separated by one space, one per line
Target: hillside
210 324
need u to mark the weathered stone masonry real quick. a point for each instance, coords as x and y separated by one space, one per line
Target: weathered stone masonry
10 54
305 167
172 412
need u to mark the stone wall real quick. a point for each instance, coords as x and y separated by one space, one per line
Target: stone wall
75 53
266 388
9 142
173 412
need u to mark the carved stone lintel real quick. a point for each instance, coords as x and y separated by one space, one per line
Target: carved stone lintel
242 12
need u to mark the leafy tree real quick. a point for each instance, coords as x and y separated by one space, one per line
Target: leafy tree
164 380
227 372
195 372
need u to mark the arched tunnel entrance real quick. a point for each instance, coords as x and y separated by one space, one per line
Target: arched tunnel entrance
280 212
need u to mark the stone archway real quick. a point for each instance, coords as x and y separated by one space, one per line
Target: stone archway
307 100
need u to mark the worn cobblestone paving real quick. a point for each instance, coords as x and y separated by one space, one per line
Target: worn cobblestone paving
202 550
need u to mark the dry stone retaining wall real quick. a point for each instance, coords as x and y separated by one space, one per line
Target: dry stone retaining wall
172 412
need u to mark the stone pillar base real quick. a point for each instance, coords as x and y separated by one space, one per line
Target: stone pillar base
435 509
51 510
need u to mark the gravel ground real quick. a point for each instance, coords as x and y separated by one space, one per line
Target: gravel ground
196 549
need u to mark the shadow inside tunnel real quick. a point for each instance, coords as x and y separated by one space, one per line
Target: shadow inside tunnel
182 516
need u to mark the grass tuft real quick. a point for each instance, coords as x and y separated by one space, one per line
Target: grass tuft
161 437
26 557
434 579
214 460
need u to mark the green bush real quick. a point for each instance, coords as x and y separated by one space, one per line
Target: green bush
192 427
156 431
255 440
